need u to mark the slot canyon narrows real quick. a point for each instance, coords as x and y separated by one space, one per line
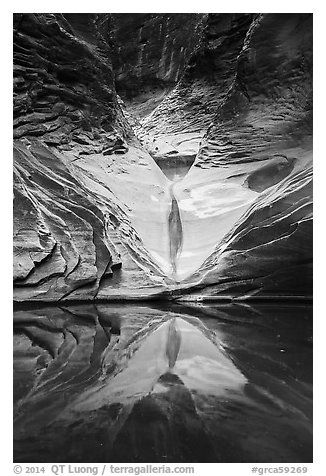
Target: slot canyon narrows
162 237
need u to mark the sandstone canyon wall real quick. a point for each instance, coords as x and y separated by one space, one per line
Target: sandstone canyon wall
104 104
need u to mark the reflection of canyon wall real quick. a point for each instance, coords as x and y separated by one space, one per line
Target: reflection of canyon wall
139 383
115 378
91 206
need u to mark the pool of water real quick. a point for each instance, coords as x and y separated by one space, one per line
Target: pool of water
163 383
175 168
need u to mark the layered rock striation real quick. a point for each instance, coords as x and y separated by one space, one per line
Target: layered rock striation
259 147
150 54
63 79
105 204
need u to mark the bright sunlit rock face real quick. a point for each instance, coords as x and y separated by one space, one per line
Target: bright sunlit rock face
196 180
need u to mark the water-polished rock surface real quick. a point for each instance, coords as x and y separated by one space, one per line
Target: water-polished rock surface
96 218
165 383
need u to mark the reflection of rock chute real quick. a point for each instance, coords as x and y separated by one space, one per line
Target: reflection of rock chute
174 347
154 402
134 384
173 344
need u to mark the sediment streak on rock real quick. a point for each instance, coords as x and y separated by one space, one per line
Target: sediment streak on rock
175 233
241 220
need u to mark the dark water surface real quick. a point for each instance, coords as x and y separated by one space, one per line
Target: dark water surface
170 383
175 168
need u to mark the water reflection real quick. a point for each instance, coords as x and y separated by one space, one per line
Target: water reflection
169 383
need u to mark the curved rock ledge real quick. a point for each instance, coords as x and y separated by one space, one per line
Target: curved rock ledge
95 216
